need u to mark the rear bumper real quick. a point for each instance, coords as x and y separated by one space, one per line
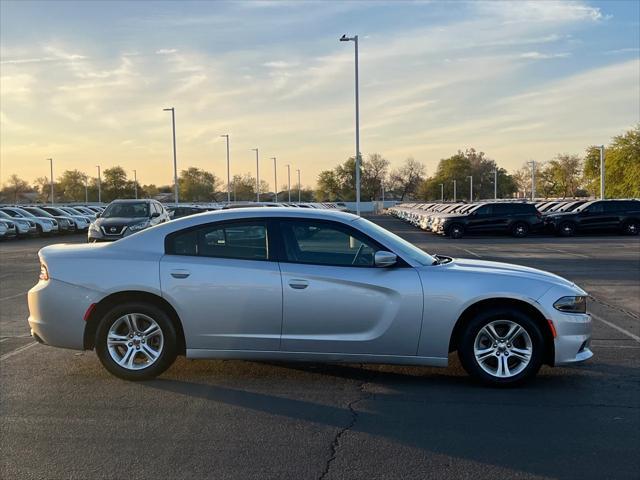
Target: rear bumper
56 313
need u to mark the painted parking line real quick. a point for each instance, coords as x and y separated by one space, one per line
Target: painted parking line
616 327
17 351
13 296
557 250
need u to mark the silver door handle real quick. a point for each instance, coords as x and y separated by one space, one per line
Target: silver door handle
180 273
298 284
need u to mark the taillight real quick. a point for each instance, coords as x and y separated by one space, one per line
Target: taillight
44 273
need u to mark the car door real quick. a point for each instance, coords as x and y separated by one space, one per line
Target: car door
481 219
226 289
593 217
337 301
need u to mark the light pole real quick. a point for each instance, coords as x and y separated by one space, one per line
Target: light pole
257 175
442 192
354 39
495 183
470 177
601 148
86 189
289 181
228 171
175 161
51 181
135 183
99 186
299 191
275 176
533 179
454 191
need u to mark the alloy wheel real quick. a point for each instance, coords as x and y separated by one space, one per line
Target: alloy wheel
135 341
503 348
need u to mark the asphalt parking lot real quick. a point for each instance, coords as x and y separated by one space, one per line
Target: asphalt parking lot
64 416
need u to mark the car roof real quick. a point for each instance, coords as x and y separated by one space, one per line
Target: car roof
261 212
133 200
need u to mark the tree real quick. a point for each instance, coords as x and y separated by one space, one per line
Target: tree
561 176
243 187
328 186
460 167
374 175
71 185
406 179
622 166
14 187
197 185
115 184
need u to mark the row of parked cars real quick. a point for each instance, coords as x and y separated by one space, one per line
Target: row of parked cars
520 218
19 221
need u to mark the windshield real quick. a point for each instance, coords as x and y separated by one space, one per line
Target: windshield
38 212
399 244
127 210
21 212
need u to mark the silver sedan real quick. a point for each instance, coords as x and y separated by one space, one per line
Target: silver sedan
301 285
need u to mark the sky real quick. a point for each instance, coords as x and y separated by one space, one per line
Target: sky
86 83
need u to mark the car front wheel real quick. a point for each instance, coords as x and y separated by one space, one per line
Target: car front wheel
502 347
567 229
136 341
520 230
456 231
631 228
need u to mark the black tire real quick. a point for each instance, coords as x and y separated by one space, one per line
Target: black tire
456 231
470 334
168 350
567 229
520 229
631 227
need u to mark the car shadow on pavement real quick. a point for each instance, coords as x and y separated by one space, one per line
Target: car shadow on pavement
450 415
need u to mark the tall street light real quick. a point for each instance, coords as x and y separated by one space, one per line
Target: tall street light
257 175
601 148
135 183
99 186
533 179
228 171
442 192
86 188
354 39
470 177
175 161
299 188
289 181
454 191
50 160
495 183
275 176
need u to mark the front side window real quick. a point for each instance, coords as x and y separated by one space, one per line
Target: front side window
326 243
595 208
244 241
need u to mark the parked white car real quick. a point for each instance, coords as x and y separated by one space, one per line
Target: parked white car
301 284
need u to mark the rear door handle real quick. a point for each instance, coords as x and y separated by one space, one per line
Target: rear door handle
298 284
180 273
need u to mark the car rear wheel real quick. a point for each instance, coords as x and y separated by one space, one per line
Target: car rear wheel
456 230
631 228
502 347
520 230
136 341
567 229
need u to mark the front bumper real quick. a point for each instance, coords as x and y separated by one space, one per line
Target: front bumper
56 313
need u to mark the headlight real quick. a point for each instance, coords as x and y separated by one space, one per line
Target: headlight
571 304
94 228
138 226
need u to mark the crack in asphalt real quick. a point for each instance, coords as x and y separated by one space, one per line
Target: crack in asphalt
335 444
613 307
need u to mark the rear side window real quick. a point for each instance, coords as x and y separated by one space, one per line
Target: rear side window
243 241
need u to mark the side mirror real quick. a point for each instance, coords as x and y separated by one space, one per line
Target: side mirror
385 259
155 215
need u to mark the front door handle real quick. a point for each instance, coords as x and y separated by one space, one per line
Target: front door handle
180 273
298 284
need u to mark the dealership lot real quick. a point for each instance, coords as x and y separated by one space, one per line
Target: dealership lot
64 416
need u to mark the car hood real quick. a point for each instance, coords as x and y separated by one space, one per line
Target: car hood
106 222
511 270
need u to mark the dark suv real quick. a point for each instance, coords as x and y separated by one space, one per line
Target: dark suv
518 219
122 218
598 215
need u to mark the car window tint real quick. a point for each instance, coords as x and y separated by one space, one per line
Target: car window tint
485 210
612 207
595 208
326 243
245 241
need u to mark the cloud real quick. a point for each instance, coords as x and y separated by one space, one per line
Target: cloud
280 64
543 56
166 51
549 11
